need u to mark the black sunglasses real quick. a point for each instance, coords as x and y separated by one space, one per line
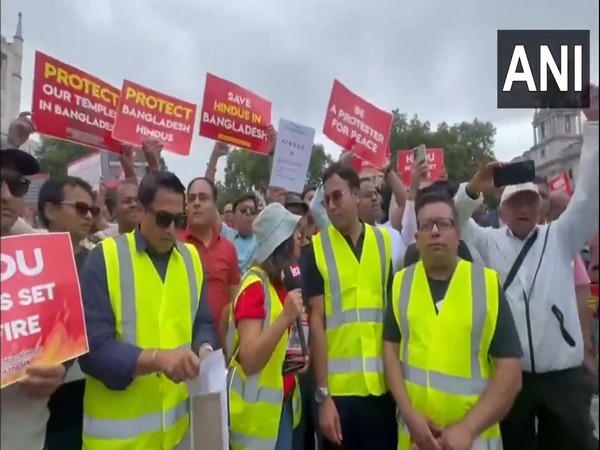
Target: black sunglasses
17 186
82 208
164 219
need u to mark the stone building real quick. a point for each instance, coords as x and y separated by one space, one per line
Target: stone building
10 77
557 142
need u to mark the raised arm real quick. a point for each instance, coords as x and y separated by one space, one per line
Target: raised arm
468 198
579 221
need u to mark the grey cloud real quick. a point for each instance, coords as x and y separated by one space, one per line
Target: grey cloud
434 58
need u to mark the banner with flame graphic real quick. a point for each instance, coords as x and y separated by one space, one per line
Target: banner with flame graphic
42 320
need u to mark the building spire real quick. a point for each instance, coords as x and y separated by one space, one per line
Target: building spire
19 33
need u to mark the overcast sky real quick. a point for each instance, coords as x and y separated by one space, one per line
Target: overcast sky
434 58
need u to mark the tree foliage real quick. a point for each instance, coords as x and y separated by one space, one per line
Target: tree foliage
249 172
55 156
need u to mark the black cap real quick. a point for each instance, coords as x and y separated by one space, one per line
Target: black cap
25 163
293 199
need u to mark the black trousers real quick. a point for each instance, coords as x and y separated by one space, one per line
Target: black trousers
561 403
307 436
367 423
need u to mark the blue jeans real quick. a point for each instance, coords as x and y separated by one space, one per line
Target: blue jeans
286 426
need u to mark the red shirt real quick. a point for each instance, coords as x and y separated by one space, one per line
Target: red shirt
221 271
251 305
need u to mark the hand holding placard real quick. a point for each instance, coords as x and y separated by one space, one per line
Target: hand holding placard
42 314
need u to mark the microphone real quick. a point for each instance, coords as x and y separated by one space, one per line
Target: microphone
291 278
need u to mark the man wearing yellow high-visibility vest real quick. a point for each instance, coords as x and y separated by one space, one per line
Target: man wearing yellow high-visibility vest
451 348
148 322
345 277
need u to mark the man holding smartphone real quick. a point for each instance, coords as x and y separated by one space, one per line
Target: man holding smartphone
535 267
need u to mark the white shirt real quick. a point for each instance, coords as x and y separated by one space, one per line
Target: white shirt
555 281
23 420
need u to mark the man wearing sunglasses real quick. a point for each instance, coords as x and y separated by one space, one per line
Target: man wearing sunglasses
24 410
67 205
345 278
245 209
149 325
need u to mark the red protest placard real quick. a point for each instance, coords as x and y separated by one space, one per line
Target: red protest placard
72 105
42 313
560 183
235 115
145 114
357 125
435 162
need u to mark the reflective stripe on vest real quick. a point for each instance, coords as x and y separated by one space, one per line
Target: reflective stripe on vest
436 380
230 337
131 428
249 390
340 317
126 281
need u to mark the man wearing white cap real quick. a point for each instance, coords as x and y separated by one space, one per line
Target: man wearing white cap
535 266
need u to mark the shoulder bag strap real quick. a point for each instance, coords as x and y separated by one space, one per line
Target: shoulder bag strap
519 260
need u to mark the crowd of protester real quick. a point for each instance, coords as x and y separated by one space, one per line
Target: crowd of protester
435 323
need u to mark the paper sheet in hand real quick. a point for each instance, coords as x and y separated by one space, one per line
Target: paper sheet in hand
292 156
208 397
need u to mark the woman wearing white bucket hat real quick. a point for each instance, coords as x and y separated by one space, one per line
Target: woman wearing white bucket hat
264 404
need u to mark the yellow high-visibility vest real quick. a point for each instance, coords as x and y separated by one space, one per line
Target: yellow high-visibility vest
445 356
153 412
355 295
256 401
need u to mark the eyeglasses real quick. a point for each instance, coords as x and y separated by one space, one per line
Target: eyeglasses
442 224
82 208
164 219
17 186
249 210
335 197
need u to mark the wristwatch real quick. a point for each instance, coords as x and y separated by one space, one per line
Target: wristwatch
321 395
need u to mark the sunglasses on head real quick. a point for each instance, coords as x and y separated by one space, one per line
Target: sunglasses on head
164 219
82 208
17 186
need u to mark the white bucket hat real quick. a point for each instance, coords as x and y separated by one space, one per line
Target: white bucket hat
273 226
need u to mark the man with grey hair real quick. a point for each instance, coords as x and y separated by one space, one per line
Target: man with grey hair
535 266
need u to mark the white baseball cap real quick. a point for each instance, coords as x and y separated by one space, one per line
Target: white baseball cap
513 189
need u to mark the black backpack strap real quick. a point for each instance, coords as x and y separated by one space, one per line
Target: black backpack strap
519 260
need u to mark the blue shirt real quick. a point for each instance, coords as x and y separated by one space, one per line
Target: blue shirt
111 361
244 246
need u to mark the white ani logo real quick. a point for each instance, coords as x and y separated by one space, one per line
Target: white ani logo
561 76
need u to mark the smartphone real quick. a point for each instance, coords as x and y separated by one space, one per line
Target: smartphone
514 173
420 154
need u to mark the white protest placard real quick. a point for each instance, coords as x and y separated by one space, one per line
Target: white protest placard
292 156
87 168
